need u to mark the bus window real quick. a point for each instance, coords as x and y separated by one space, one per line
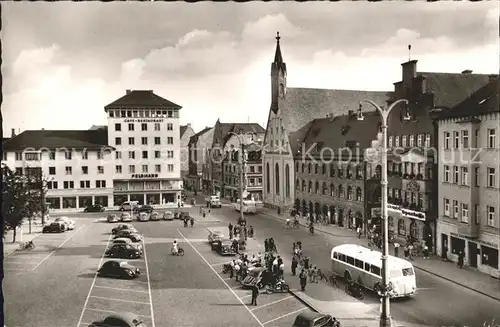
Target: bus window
358 263
375 270
367 266
408 272
341 257
350 260
335 255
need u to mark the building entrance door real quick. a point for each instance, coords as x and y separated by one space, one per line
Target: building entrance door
472 254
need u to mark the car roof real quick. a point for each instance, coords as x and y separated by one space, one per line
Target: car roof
129 317
310 315
128 240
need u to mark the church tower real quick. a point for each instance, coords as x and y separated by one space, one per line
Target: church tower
278 77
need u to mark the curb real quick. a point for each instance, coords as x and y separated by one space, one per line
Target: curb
417 267
305 302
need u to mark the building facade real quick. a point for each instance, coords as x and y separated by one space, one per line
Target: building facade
186 132
77 165
291 109
198 144
144 130
469 183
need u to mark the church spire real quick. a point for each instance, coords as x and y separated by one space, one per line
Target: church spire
278 58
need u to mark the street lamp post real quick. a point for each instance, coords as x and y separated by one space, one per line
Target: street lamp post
242 173
385 314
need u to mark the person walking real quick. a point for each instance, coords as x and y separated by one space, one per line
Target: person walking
407 252
311 273
237 269
295 263
281 271
396 249
303 280
426 252
231 271
250 231
255 295
192 221
306 263
358 230
460 261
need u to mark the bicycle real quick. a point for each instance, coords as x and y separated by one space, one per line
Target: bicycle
28 246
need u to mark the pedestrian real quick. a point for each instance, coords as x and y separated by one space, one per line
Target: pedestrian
310 272
250 231
410 251
245 232
237 269
294 247
255 294
315 274
396 249
444 252
192 221
407 252
281 271
303 280
259 257
275 266
231 271
306 263
358 230
295 263
460 261
426 252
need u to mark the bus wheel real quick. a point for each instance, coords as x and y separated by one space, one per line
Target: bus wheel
347 276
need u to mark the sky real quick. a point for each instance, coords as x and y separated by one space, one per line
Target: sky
63 62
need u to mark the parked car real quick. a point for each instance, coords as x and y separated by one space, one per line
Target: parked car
54 228
118 269
112 218
316 319
127 241
124 251
154 216
127 233
145 208
68 223
259 276
126 216
120 227
168 215
122 319
95 208
142 216
223 247
129 205
213 201
214 235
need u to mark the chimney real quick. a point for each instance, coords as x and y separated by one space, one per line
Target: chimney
13 132
467 72
409 71
128 91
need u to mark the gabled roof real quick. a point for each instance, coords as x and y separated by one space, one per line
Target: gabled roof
142 98
5 139
450 88
53 139
184 128
196 136
240 128
97 127
483 101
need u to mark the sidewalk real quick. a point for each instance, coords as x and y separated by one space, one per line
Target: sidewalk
466 277
9 247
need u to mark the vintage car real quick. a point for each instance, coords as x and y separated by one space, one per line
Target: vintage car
126 216
259 276
122 319
54 228
144 208
94 208
122 227
214 234
68 223
154 216
315 319
112 218
168 215
118 269
223 247
128 241
142 216
128 233
123 251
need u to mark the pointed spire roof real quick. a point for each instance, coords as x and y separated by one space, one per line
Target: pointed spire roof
278 58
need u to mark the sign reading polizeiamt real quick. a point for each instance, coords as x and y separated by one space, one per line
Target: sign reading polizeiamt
143 120
144 176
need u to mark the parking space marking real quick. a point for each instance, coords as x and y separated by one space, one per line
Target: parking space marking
108 311
284 316
120 289
19 263
274 302
119 300
222 280
218 264
93 283
58 247
14 269
149 284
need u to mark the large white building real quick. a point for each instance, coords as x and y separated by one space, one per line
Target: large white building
136 157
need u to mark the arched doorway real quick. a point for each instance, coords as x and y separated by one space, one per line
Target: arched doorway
304 208
332 215
340 218
317 209
359 219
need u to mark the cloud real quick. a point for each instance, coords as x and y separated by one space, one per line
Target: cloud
255 31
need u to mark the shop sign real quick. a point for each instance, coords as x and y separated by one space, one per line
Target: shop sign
144 175
393 207
413 214
142 120
490 244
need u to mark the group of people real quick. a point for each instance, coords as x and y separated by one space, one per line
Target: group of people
240 230
240 267
411 248
188 220
270 245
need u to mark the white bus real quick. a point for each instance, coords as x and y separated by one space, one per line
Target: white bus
363 265
249 206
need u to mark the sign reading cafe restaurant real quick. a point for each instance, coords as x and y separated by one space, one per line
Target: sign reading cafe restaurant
143 120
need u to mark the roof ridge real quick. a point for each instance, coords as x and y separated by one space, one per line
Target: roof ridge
323 89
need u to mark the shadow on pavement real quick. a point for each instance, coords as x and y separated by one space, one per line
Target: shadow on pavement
87 275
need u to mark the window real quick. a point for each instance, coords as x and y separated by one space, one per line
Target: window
349 260
456 139
19 156
84 184
427 141
260 181
465 139
412 140
455 209
69 184
131 126
19 171
476 214
100 184
118 169
52 170
131 141
144 154
375 270
118 140
490 212
123 113
489 256
491 138
446 203
447 140
490 177
131 154
69 170
419 140
170 168
111 113
170 127
170 140
100 169
144 168
403 141
144 140
446 174
144 127
52 185
396 141
31 156
118 127
359 263
85 170
118 155
157 141
99 155
131 169
157 168
390 142
68 155
170 154
157 126
455 175
465 176
170 114
129 113
401 227
52 155
465 213
476 176
157 155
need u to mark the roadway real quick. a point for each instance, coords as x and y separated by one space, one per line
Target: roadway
438 303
